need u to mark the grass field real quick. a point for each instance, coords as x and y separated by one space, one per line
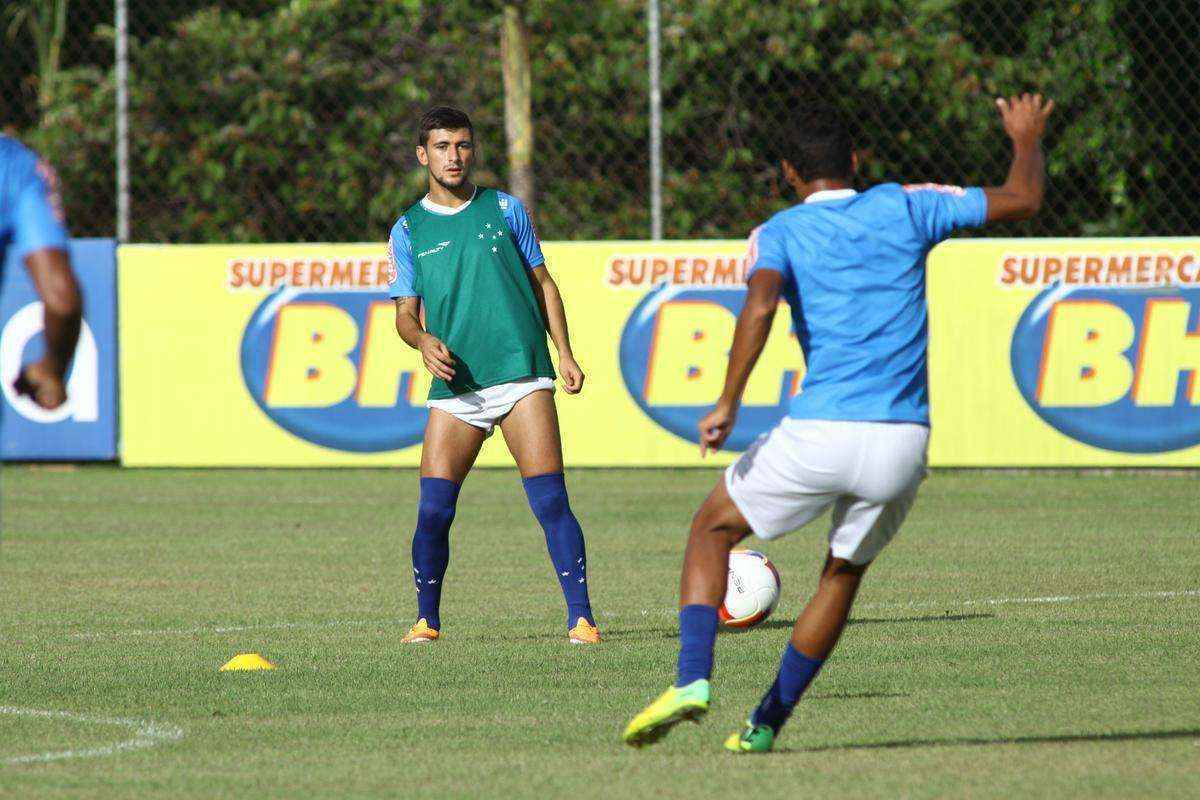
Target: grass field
1028 635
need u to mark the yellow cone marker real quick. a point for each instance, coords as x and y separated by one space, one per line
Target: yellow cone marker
246 661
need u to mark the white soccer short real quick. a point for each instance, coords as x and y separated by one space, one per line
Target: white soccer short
488 406
868 471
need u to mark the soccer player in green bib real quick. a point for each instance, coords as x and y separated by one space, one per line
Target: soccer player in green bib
470 257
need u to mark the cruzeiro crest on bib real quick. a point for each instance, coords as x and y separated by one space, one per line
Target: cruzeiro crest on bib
491 233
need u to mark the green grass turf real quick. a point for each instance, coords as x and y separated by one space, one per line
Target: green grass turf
115 583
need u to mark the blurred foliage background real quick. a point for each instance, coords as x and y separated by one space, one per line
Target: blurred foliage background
294 120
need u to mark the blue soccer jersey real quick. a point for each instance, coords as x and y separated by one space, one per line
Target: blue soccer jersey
31 216
520 227
854 276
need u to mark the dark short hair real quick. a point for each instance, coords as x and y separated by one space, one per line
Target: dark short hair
818 144
445 118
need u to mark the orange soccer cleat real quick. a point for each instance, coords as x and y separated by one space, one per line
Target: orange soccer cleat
421 632
584 633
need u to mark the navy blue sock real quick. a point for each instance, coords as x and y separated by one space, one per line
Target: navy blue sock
795 674
431 545
564 539
697 635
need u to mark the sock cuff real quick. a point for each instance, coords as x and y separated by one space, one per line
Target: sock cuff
439 489
542 484
697 634
797 658
698 613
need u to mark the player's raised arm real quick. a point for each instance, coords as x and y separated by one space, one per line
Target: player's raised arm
749 338
1021 195
555 315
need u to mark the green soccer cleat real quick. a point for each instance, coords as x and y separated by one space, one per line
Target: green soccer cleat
752 739
672 706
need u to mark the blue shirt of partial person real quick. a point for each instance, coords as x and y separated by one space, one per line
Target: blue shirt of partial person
854 276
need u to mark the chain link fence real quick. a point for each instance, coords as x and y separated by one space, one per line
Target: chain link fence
293 120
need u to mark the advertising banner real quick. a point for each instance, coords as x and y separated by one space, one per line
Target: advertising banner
1043 353
84 428
288 355
1070 352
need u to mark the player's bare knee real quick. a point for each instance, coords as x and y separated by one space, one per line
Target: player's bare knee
732 534
719 516
712 522
842 569
432 514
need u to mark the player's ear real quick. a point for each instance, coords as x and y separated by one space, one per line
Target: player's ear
790 176
422 156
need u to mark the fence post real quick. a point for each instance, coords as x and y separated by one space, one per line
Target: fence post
656 177
122 59
518 103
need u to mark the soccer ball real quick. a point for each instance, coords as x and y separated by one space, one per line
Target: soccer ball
752 592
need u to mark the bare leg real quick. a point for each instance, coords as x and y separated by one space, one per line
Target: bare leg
716 529
531 431
821 622
451 447
813 639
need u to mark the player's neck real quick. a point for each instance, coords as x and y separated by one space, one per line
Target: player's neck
822 185
450 197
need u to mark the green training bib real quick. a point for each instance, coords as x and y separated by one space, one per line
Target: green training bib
477 296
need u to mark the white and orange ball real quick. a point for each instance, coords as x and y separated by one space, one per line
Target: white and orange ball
752 592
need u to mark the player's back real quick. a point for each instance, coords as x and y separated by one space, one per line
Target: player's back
854 267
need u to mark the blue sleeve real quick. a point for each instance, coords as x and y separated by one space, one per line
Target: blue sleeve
767 251
38 222
400 262
939 211
522 230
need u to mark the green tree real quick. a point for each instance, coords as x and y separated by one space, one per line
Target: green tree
269 120
916 81
45 23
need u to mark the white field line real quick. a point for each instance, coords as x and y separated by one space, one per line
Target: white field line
916 604
1000 601
273 626
1048 599
146 734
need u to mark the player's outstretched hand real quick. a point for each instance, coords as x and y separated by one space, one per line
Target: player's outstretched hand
42 384
437 357
715 428
572 375
1025 116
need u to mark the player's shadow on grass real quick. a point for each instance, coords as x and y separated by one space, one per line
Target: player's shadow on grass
776 624
852 696
928 618
784 623
971 741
